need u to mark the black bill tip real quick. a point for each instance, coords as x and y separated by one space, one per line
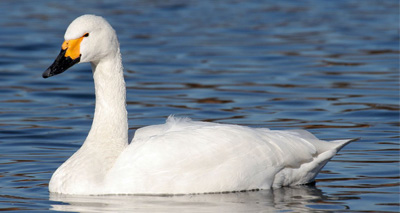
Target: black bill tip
60 65
47 73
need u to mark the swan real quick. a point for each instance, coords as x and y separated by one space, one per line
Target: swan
181 156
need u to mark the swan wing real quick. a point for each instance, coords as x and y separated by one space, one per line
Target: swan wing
184 156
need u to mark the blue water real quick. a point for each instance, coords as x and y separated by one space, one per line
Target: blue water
331 67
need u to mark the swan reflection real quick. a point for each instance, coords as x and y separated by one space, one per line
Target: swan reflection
297 198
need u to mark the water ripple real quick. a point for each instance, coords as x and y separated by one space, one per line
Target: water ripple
330 67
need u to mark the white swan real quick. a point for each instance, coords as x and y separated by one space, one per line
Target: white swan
179 157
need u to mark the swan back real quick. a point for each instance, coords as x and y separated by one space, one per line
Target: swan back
184 156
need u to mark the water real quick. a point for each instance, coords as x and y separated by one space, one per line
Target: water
331 67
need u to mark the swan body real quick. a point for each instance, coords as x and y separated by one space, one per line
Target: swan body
179 157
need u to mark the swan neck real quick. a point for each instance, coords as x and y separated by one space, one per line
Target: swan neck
110 123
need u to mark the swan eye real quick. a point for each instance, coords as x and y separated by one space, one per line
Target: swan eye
86 35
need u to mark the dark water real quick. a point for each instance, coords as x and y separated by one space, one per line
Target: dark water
331 67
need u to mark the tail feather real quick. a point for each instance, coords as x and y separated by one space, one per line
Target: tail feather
307 172
342 143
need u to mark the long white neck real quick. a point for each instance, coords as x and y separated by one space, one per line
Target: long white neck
110 123
108 137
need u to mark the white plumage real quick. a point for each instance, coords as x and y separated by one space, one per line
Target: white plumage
181 156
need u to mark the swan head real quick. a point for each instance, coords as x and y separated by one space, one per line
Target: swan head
88 38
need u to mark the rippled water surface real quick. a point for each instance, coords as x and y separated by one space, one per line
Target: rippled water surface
330 67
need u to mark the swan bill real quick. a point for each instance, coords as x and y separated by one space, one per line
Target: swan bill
69 55
61 64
